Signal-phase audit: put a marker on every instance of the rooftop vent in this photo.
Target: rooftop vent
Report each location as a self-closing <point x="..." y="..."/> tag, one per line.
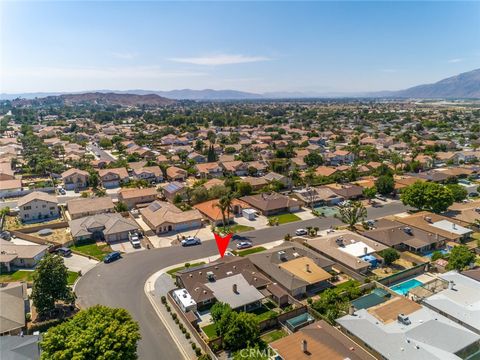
<point x="304" y="346"/>
<point x="281" y="255"/>
<point x="403" y="319"/>
<point x="428" y="219"/>
<point x="407" y="230"/>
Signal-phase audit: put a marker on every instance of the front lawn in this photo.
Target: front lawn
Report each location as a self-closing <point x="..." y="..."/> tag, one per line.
<point x="249" y="251"/>
<point x="347" y="284"/>
<point x="273" y="335"/>
<point x="92" y="249"/>
<point x="237" y="228"/>
<point x="173" y="271"/>
<point x="285" y="218"/>
<point x="27" y="276"/>
<point x="210" y="331"/>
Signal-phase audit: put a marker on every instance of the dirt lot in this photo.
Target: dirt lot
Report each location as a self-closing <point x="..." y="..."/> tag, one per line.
<point x="14" y="223"/>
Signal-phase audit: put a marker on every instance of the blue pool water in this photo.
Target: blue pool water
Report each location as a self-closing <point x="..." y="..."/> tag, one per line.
<point x="430" y="253"/>
<point x="404" y="287"/>
<point x="299" y="321"/>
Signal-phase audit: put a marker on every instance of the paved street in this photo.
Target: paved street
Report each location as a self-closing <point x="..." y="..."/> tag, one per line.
<point x="121" y="284"/>
<point x="100" y="153"/>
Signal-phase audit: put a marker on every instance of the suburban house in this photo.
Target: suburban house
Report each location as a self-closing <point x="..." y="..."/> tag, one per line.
<point x="272" y="176"/>
<point x="466" y="213"/>
<point x="295" y="268"/>
<point x="112" y="178"/>
<point x="458" y="301"/>
<point x="165" y="217"/>
<point x="10" y="188"/>
<point x="38" y="206"/>
<point x="346" y="191"/>
<point x="339" y="157"/>
<point x="212" y="212"/>
<point x="237" y="167"/>
<point x="451" y="229"/>
<point x="209" y="170"/>
<point x="6" y="172"/>
<point x="20" y="256"/>
<point x="78" y="208"/>
<point x="318" y="340"/>
<point x="402" y="237"/>
<point x="176" y="174"/>
<point x="27" y="345"/>
<point x="314" y="196"/>
<point x="134" y="197"/>
<point x="256" y="183"/>
<point x="152" y="174"/>
<point x="232" y="280"/>
<point x="197" y="158"/>
<point x="14" y="306"/>
<point x="272" y="203"/>
<point x="109" y="227"/>
<point x="75" y="179"/>
<point x="352" y="250"/>
<point x="171" y="190"/>
<point x="402" y="329"/>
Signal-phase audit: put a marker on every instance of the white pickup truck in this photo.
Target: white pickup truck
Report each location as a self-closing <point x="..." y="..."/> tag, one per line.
<point x="134" y="240"/>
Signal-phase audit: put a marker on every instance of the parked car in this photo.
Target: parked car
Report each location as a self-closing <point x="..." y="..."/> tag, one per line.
<point x="381" y="197"/>
<point x="244" y="245"/>
<point x="301" y="232"/>
<point x="5" y="235"/>
<point x="238" y="237"/>
<point x="64" y="251"/>
<point x="134" y="240"/>
<point x="115" y="255"/>
<point x="190" y="241"/>
<point x="62" y="191"/>
<point x="473" y="194"/>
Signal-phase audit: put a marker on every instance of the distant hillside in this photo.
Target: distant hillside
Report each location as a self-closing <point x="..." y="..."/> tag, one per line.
<point x="464" y="86"/>
<point x="100" y="98"/>
<point x="208" y="94"/>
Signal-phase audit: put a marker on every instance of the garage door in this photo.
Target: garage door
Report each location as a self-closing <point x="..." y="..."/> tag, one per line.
<point x="187" y="226"/>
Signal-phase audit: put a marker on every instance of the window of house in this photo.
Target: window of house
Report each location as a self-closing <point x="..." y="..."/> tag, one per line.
<point x="27" y="207"/>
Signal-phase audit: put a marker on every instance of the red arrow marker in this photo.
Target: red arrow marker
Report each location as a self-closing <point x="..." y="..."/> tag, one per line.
<point x="222" y="243"/>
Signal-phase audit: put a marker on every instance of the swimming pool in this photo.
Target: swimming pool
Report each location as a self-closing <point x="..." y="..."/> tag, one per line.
<point x="404" y="287"/>
<point x="299" y="321"/>
<point x="430" y="253"/>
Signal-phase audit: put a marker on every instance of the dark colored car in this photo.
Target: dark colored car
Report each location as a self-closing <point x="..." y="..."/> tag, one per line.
<point x="63" y="251"/>
<point x="115" y="255"/>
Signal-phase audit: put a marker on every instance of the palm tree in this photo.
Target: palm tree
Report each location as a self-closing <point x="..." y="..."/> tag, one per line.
<point x="352" y="213"/>
<point x="225" y="206"/>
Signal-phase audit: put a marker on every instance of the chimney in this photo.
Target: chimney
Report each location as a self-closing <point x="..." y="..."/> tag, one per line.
<point x="307" y="268"/>
<point x="454" y="225"/>
<point x="351" y="310"/>
<point x="304" y="346"/>
<point x="451" y="284"/>
<point x="365" y="250"/>
<point x="235" y="288"/>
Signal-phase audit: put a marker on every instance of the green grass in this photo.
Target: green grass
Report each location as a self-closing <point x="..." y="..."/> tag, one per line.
<point x="27" y="276"/>
<point x="263" y="313"/>
<point x="342" y="287"/>
<point x="273" y="335"/>
<point x="249" y="251"/>
<point x="72" y="277"/>
<point x="285" y="218"/>
<point x="19" y="275"/>
<point x="237" y="228"/>
<point x="93" y="250"/>
<point x="175" y="270"/>
<point x="210" y="331"/>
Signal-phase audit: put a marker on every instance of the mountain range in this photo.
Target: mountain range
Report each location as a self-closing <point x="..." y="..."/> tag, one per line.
<point x="463" y="86"/>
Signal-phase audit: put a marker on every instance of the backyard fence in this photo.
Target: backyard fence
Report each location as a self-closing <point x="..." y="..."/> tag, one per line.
<point x="402" y="275"/>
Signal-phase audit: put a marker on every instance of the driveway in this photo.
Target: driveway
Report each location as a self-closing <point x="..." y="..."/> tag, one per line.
<point x="260" y="222"/>
<point x="125" y="247"/>
<point x="121" y="283"/>
<point x="79" y="263"/>
<point x="305" y="214"/>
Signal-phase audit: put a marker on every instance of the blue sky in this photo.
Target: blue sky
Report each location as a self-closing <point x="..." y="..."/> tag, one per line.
<point x="251" y="46"/>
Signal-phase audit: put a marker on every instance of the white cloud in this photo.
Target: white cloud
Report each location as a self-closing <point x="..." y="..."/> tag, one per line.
<point x="221" y="59"/>
<point x="456" y="60"/>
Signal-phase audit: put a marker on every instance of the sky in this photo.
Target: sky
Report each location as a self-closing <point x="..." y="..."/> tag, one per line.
<point x="312" y="46"/>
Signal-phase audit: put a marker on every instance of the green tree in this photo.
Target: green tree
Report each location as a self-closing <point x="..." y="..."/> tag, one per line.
<point x="93" y="179"/>
<point x="105" y="143"/>
<point x="352" y="213"/>
<point x="242" y="331"/>
<point x="313" y="159"/>
<point x="199" y="195"/>
<point x="459" y="258"/>
<point x="458" y="191"/>
<point x="243" y="188"/>
<point x="370" y="193"/>
<point x="50" y="284"/>
<point x="389" y="255"/>
<point x="121" y="207"/>
<point x="427" y="196"/>
<point x="385" y="184"/>
<point x="99" y="332"/>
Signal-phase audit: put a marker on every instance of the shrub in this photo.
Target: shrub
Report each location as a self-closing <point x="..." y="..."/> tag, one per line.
<point x="164" y="300"/>
<point x="187" y="335"/>
<point x="198" y="351"/>
<point x="174" y="316"/>
<point x="194" y="346"/>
